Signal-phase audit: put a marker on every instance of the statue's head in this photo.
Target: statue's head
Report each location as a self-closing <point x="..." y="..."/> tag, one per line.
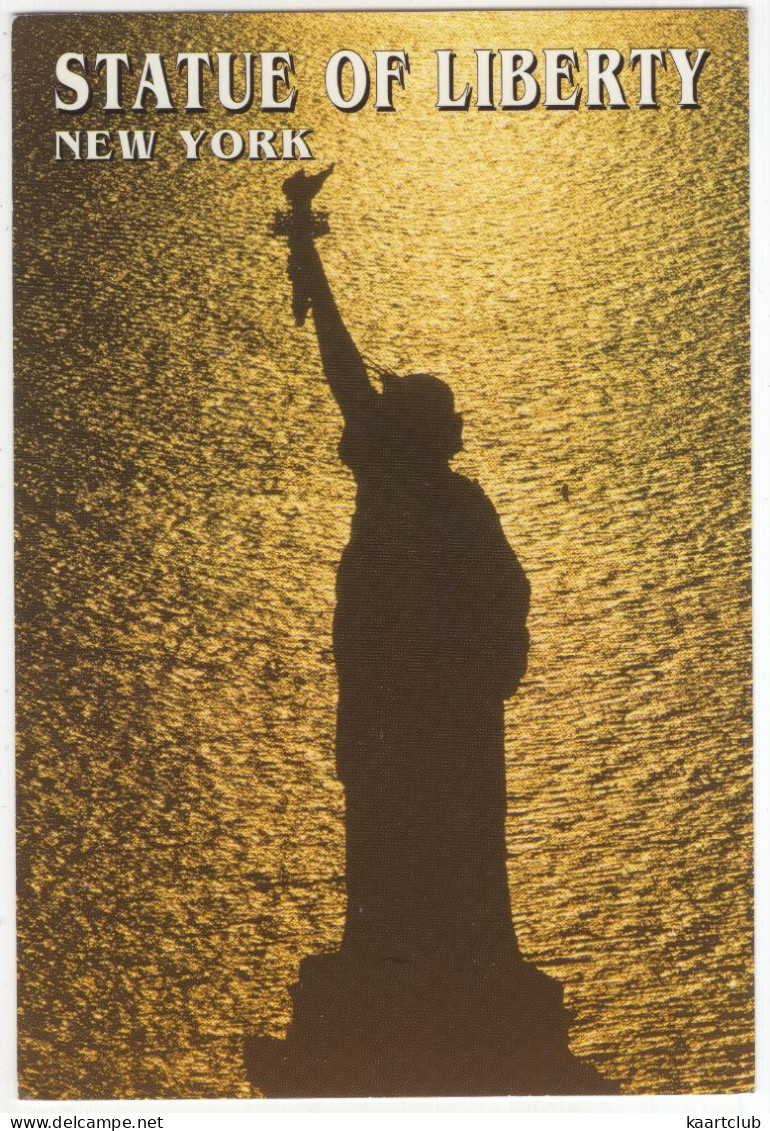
<point x="424" y="406"/>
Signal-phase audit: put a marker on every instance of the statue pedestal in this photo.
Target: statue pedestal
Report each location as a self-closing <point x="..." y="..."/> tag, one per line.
<point x="378" y="1027"/>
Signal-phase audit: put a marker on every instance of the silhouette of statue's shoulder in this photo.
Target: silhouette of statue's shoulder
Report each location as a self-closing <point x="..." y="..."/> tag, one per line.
<point x="479" y="511"/>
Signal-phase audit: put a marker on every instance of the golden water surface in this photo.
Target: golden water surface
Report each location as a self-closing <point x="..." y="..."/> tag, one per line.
<point x="581" y="281"/>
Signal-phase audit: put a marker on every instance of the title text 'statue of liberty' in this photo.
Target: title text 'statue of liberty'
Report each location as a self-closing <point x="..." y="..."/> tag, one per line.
<point x="194" y="81"/>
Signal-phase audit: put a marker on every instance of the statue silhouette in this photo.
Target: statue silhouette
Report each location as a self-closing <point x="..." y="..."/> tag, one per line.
<point x="429" y="993"/>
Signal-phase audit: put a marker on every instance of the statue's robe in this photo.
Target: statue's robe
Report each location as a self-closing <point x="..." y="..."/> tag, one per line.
<point x="429" y="640"/>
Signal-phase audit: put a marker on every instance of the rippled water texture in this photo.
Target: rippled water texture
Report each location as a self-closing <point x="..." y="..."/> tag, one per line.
<point x="581" y="279"/>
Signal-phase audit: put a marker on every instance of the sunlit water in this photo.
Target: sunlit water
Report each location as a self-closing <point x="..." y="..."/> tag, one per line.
<point x="581" y="280"/>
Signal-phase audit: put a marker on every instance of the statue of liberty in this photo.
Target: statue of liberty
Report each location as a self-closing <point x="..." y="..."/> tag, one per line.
<point x="429" y="640"/>
<point x="428" y="994"/>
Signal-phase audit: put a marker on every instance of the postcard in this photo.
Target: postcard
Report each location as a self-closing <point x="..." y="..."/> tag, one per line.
<point x="383" y="580"/>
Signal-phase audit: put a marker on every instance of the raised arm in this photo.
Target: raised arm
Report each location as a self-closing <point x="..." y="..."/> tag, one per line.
<point x="343" y="365"/>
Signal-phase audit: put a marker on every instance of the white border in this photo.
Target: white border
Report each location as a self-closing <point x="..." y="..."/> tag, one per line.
<point x="541" y="1112"/>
